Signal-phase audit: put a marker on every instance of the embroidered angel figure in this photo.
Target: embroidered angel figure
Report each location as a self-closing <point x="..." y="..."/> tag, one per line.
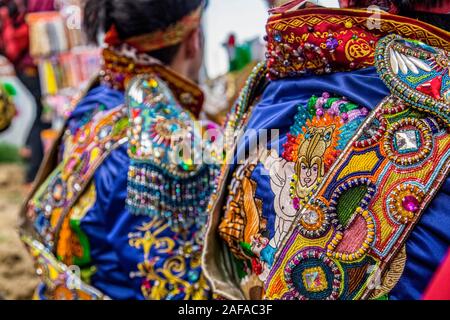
<point x="293" y="181"/>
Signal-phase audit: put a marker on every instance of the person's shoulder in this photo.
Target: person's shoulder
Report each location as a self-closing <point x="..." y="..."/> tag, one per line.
<point x="150" y="92"/>
<point x="158" y="124"/>
<point x="168" y="176"/>
<point x="93" y="99"/>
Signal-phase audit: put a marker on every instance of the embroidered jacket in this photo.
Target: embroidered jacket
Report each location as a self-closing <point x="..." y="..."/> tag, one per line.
<point x="348" y="200"/>
<point x="114" y="213"/>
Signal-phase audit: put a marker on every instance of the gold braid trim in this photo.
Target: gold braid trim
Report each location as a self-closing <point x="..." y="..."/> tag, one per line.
<point x="392" y="275"/>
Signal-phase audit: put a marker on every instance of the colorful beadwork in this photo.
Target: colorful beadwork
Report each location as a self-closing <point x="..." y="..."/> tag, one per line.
<point x="332" y="120"/>
<point x="52" y="203"/>
<point x="321" y="129"/>
<point x="238" y="115"/>
<point x="383" y="188"/>
<point x="310" y="274"/>
<point x="419" y="72"/>
<point x="122" y="64"/>
<point x="373" y="134"/>
<point x="316" y="221"/>
<point x="232" y="229"/>
<point x="408" y="142"/>
<point x="335" y="247"/>
<point x="168" y="177"/>
<point x="320" y="41"/>
<point x="366" y="189"/>
<point x="73" y="247"/>
<point x="405" y="202"/>
<point x="59" y="282"/>
<point x="171" y="242"/>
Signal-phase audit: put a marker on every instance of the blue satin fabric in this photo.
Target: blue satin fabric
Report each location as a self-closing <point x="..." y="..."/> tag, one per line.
<point x="110" y="277"/>
<point x="122" y="223"/>
<point x="278" y="106"/>
<point x="430" y="240"/>
<point x="426" y="248"/>
<point x="96" y="98"/>
<point x="109" y="224"/>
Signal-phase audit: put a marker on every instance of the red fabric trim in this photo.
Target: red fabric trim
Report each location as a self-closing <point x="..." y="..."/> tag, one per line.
<point x="360" y="13"/>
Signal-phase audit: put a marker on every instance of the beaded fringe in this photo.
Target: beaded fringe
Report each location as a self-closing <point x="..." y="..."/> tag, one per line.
<point x="181" y="201"/>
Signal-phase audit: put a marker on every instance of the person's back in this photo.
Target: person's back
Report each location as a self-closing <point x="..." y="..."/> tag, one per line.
<point x="111" y="205"/>
<point x="347" y="200"/>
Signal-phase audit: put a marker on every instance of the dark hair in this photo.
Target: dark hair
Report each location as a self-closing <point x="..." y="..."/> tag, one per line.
<point x="137" y="17"/>
<point x="438" y="20"/>
<point x="407" y="8"/>
<point x="410" y="4"/>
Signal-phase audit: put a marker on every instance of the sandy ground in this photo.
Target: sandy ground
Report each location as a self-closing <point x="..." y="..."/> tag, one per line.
<point x="17" y="277"/>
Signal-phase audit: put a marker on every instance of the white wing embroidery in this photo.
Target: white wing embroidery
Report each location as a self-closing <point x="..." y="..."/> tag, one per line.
<point x="404" y="63"/>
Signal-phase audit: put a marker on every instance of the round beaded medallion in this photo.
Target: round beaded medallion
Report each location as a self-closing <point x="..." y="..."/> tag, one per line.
<point x="316" y="221"/>
<point x="311" y="275"/>
<point x="167" y="131"/>
<point x="408" y="141"/>
<point x="405" y="202"/>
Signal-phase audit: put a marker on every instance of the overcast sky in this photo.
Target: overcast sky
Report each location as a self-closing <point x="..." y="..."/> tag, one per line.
<point x="245" y="18"/>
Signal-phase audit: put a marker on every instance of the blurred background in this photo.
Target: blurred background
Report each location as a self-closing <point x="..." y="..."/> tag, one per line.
<point x="45" y="62"/>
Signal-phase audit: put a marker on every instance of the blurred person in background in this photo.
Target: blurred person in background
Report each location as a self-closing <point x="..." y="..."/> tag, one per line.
<point x="14" y="43"/>
<point x="7" y="91"/>
<point x="115" y="212"/>
<point x="349" y="199"/>
<point x="17" y="134"/>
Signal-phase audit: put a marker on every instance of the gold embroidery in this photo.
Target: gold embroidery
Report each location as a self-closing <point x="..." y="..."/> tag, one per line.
<point x="69" y="245"/>
<point x="243" y="218"/>
<point x="358" y="49"/>
<point x="172" y="277"/>
<point x="408" y="28"/>
<point x="392" y="276"/>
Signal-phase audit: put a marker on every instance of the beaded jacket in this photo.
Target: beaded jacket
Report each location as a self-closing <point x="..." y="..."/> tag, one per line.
<point x="347" y="200"/>
<point x="114" y="213"/>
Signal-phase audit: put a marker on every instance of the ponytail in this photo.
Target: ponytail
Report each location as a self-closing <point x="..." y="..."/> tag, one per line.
<point x="97" y="18"/>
